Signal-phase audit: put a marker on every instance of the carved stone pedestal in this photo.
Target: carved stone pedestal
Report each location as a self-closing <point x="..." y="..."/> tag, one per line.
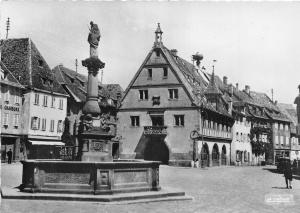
<point x="96" y="140"/>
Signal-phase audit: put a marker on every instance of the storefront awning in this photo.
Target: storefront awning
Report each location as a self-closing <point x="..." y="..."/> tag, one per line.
<point x="47" y="143"/>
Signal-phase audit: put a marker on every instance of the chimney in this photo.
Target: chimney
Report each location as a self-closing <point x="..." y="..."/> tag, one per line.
<point x="276" y="103"/>
<point x="174" y="52"/>
<point x="247" y="89"/>
<point x="299" y="89"/>
<point x="230" y="90"/>
<point x="237" y="86"/>
<point x="225" y="80"/>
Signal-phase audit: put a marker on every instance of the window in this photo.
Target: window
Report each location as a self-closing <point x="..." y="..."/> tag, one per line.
<point x="35" y="123"/>
<point x="59" y="126"/>
<point x="45" y="102"/>
<point x="280" y="126"/>
<point x="281" y="140"/>
<point x="173" y="93"/>
<point x="149" y="73"/>
<point x="36" y="99"/>
<point x="5" y="119"/>
<point x="179" y="120"/>
<point x="135" y="120"/>
<point x="276" y="125"/>
<point x="286" y="127"/>
<point x="16" y="120"/>
<point x="53" y="102"/>
<point x="6" y="96"/>
<point x="165" y="72"/>
<point x="277" y="140"/>
<point x="157" y="53"/>
<point x="52" y="126"/>
<point x="237" y="136"/>
<point x="143" y="94"/>
<point x="287" y="141"/>
<point x="44" y="124"/>
<point x="61" y="104"/>
<point x="17" y="98"/>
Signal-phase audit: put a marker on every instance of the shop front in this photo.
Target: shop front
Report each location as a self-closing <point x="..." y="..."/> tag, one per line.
<point x="44" y="149"/>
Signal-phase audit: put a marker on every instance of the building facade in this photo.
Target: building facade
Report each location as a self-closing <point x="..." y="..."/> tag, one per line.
<point x="44" y="100"/>
<point x="11" y="107"/>
<point x="166" y="100"/>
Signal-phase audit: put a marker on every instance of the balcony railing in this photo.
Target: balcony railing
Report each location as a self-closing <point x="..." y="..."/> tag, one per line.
<point x="155" y="130"/>
<point x="217" y="133"/>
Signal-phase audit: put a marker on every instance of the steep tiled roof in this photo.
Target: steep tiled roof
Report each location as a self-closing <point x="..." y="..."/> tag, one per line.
<point x="27" y="64"/>
<point x="69" y="80"/>
<point x="8" y="77"/>
<point x="290" y="111"/>
<point x="76" y="85"/>
<point x="212" y="86"/>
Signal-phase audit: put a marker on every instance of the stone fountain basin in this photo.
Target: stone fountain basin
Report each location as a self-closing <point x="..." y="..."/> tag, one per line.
<point x="90" y="177"/>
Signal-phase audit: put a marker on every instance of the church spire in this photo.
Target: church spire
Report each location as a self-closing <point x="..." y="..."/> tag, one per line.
<point x="212" y="88"/>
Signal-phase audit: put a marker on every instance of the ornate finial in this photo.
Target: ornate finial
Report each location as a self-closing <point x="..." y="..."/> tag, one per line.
<point x="7" y="27"/>
<point x="158" y="33"/>
<point x="76" y="64"/>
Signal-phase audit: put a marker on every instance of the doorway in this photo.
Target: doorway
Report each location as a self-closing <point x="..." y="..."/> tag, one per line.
<point x="156" y="150"/>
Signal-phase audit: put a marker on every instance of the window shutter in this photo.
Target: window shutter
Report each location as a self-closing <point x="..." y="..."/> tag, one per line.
<point x="38" y="126"/>
<point x="32" y="118"/>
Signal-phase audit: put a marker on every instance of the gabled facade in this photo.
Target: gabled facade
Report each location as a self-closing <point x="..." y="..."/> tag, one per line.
<point x="163" y="104"/>
<point x="45" y="101"/>
<point x="11" y="106"/>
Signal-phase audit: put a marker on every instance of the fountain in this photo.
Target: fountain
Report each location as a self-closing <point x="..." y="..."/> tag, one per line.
<point x="97" y="173"/>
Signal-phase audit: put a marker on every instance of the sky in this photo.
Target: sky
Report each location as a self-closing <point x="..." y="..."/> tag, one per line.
<point x="254" y="43"/>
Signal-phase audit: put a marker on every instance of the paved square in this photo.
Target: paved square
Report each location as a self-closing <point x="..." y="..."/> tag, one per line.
<point x="217" y="189"/>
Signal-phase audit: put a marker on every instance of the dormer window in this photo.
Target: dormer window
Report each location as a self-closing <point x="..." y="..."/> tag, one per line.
<point x="41" y="62"/>
<point x="82" y="84"/>
<point x="51" y="83"/>
<point x="72" y="80"/>
<point x="44" y="81"/>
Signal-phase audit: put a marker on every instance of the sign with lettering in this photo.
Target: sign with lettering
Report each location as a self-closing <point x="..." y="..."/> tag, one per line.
<point x="194" y="135"/>
<point x="10" y="108"/>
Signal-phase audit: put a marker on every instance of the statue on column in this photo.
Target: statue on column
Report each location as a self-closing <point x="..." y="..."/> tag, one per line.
<point x="94" y="35"/>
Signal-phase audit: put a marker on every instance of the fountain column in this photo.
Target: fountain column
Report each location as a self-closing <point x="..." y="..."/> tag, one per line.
<point x="95" y="137"/>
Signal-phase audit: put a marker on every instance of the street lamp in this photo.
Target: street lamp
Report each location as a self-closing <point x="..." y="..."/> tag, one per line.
<point x="202" y="111"/>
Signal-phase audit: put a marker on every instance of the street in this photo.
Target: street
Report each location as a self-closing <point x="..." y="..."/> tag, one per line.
<point x="216" y="189"/>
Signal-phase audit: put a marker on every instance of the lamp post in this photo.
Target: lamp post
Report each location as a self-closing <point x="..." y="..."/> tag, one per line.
<point x="202" y="111"/>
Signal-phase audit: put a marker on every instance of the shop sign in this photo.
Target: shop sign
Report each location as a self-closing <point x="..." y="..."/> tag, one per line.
<point x="10" y="108"/>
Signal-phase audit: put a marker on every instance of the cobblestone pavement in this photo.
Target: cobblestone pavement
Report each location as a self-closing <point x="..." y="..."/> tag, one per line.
<point x="219" y="189"/>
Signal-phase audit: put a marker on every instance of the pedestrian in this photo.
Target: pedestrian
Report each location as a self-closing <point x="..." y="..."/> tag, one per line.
<point x="288" y="174"/>
<point x="9" y="155"/>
